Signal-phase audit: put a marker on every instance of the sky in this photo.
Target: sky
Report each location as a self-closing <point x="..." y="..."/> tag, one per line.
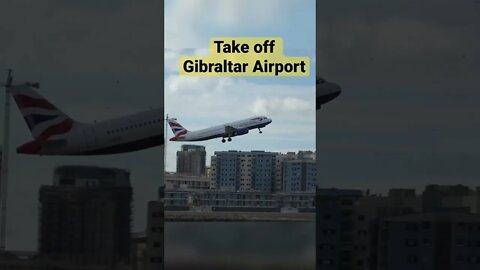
<point x="408" y="114"/>
<point x="201" y="102"/>
<point x="94" y="60"/>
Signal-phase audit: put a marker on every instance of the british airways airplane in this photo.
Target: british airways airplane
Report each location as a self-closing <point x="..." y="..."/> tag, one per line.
<point x="55" y="133"/>
<point x="228" y="130"/>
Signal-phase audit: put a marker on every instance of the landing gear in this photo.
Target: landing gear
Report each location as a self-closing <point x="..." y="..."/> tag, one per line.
<point x="223" y="140"/>
<point x="229" y="139"/>
<point x="259" y="130"/>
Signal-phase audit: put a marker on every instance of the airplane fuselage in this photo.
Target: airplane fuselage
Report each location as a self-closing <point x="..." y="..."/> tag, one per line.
<point x="326" y="92"/>
<point x="120" y="135"/>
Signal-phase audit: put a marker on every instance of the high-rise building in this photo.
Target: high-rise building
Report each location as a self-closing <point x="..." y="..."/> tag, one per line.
<point x="244" y="171"/>
<point x="85" y="216"/>
<point x="191" y="160"/>
<point x="299" y="175"/>
<point x="279" y="165"/>
<point x="334" y="227"/>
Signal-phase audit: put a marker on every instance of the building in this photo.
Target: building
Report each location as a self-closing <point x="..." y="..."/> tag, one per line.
<point x="436" y="241"/>
<point x="279" y="164"/>
<point x="244" y="171"/>
<point x="348" y="225"/>
<point x="191" y="160"/>
<point x="155" y="236"/>
<point x="306" y="155"/>
<point x="220" y="200"/>
<point x="299" y="175"/>
<point x="357" y="230"/>
<point x="182" y="181"/>
<point x="334" y="228"/>
<point x="138" y="250"/>
<point x="85" y="216"/>
<point x="262" y="171"/>
<point x="456" y="198"/>
<point x="368" y="213"/>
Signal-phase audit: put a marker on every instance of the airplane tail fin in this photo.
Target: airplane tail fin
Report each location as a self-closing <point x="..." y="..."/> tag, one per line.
<point x="177" y="129"/>
<point x="43" y="119"/>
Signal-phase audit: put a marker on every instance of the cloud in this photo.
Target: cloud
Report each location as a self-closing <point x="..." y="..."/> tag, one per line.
<point x="187" y="22"/>
<point x="233" y="97"/>
<point x="290" y="105"/>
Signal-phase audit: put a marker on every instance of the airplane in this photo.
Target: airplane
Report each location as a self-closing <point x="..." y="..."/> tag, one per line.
<point x="326" y="91"/>
<point x="55" y="133"/>
<point x="228" y="130"/>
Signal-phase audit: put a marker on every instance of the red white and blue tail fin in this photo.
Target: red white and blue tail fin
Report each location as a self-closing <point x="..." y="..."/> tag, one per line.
<point x="177" y="129"/>
<point x="43" y="119"/>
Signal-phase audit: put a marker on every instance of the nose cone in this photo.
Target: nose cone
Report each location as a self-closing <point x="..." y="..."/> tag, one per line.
<point x="326" y="91"/>
<point x="269" y="120"/>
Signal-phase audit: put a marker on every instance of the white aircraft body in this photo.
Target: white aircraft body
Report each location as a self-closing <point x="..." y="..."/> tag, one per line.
<point x="228" y="130"/>
<point x="57" y="134"/>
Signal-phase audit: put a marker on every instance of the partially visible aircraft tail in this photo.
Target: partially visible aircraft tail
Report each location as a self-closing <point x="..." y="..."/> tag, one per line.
<point x="43" y="119"/>
<point x="177" y="129"/>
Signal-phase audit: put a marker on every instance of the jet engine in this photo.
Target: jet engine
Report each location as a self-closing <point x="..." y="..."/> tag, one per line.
<point x="241" y="131"/>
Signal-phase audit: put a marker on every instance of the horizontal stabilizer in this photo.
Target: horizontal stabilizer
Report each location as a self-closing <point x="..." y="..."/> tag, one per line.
<point x="35" y="146"/>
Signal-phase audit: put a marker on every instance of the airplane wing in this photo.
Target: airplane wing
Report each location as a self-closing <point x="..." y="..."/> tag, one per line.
<point x="231" y="131"/>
